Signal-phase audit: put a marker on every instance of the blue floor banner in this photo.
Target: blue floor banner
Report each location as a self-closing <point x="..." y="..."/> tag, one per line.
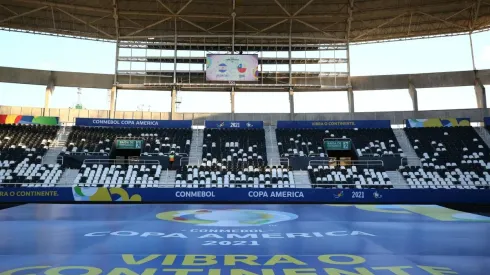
<point x="242" y="195"/>
<point x="190" y="239"/>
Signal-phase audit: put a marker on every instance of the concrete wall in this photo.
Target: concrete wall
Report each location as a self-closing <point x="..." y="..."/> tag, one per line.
<point x="380" y="82"/>
<point x="69" y="115"/>
<point x="64" y="79"/>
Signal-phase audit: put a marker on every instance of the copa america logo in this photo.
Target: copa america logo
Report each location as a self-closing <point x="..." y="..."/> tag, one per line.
<point x="227" y="217"/>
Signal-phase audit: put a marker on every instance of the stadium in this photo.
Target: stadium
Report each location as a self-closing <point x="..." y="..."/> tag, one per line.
<point x="321" y="136"/>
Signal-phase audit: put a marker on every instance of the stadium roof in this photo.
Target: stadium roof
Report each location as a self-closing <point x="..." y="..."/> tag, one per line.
<point x="330" y="21"/>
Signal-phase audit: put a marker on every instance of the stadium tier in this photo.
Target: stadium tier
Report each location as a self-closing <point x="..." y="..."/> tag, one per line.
<point x="349" y="177"/>
<point x="96" y="140"/>
<point x="217" y="176"/>
<point x="17" y="142"/>
<point x="295" y="155"/>
<point x="368" y="142"/>
<point x="451" y="157"/>
<point x="21" y="150"/>
<point x="103" y="175"/>
<point x="234" y="148"/>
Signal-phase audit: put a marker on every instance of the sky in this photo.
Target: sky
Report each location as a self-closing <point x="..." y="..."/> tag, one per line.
<point x="43" y="52"/>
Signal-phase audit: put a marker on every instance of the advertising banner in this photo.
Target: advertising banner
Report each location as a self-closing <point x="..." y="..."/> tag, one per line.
<point x="133" y="123"/>
<point x="437" y="122"/>
<point x="241" y="195"/>
<point x="334" y="124"/>
<point x="18" y="119"/>
<point x="227" y="67"/>
<point x="216" y="124"/>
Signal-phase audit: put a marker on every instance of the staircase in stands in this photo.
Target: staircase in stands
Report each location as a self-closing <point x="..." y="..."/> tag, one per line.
<point x="412" y="158"/>
<point x="51" y="155"/>
<point x="301" y="179"/>
<point x="271" y="146"/>
<point x="195" y="155"/>
<point x="397" y="179"/>
<point x="68" y="177"/>
<point x="484" y="134"/>
<point x="167" y="178"/>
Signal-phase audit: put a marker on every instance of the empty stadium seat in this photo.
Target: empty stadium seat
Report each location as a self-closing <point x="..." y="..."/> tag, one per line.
<point x="440" y="146"/>
<point x="99" y="140"/>
<point x="451" y="177"/>
<point x="111" y="175"/>
<point x="349" y="177"/>
<point x="29" y="174"/>
<point x="21" y="151"/>
<point x="19" y="141"/>
<point x="309" y="142"/>
<point x="234" y="149"/>
<point x="451" y="157"/>
<point x="219" y="176"/>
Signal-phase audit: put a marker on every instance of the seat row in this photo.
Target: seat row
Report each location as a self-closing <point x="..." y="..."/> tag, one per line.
<point x="219" y="176"/>
<point x="17" y="141"/>
<point x="118" y="175"/>
<point x="447" y="177"/>
<point x="26" y="173"/>
<point x="349" y="177"/>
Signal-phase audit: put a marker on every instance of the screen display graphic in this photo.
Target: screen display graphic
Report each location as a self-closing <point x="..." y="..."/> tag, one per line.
<point x="232" y="67"/>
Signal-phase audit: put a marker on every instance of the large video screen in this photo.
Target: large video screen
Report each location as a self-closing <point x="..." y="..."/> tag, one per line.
<point x="228" y="67"/>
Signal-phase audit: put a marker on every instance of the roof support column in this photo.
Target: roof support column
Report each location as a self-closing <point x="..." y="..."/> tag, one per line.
<point x="115" y="14"/>
<point x="290" y="55"/>
<point x="413" y="94"/>
<point x="112" y="107"/>
<point x="350" y="99"/>
<point x="173" y="102"/>
<point x="350" y="93"/>
<point x="47" y="96"/>
<point x="290" y="68"/>
<point x="116" y="62"/>
<point x="232" y="102"/>
<point x="481" y="95"/>
<point x="233" y="16"/>
<point x="175" y="51"/>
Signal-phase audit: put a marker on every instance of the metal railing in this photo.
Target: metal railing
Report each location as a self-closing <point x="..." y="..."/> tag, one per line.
<point x="342" y="185"/>
<point x="188" y="160"/>
<point x="87" y="153"/>
<point x="248" y="185"/>
<point x="282" y="161"/>
<point x="337" y="162"/>
<point x="121" y="161"/>
<point x="164" y="154"/>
